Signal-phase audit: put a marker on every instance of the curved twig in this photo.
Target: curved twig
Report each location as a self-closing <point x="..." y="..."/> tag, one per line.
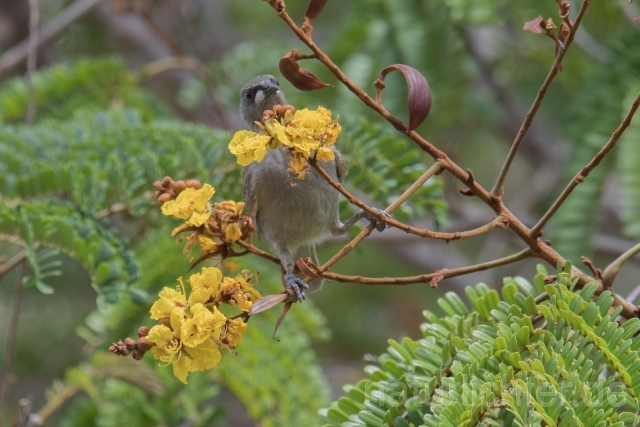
<point x="555" y="68"/>
<point x="424" y="278"/>
<point x="497" y="221"/>
<point x="586" y="170"/>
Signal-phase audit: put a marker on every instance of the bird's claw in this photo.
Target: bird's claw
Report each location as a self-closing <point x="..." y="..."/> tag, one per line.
<point x="380" y="226"/>
<point x="295" y="284"/>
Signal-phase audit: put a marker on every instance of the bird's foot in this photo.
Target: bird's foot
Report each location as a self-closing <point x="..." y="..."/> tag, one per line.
<point x="296" y="285"/>
<point x="380" y="226"/>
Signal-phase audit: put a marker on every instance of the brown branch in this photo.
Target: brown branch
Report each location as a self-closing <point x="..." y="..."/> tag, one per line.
<point x="10" y="338"/>
<point x="584" y="172"/>
<point x="433" y="170"/>
<point x="402" y="226"/>
<point x="13" y="262"/>
<point x="555" y="69"/>
<point x="254" y="250"/>
<point x="32" y="57"/>
<point x="17" y="54"/>
<point x="424" y="278"/>
<point x="538" y="249"/>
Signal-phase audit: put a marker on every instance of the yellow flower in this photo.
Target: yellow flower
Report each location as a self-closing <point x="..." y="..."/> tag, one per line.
<point x="203" y="357"/>
<point x="239" y="291"/>
<point x="204" y="285"/>
<point x="331" y="133"/>
<point x="297" y="163"/>
<point x="207" y="244"/>
<point x="230" y="265"/>
<point x="235" y="330"/>
<point x="167" y="349"/>
<point x="202" y="326"/>
<point x="192" y="205"/>
<point x="169" y="299"/>
<point x="249" y="146"/>
<point x="232" y="231"/>
<point x="325" y="154"/>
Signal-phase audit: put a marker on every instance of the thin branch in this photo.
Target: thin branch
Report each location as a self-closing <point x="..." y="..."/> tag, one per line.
<point x="584" y="172"/>
<point x="17" y="54"/>
<point x="612" y="270"/>
<point x="5" y="368"/>
<point x="424" y="278"/>
<point x="32" y="57"/>
<point x="555" y="68"/>
<point x="13" y="262"/>
<point x="433" y="170"/>
<point x="404" y="227"/>
<point x="254" y="250"/>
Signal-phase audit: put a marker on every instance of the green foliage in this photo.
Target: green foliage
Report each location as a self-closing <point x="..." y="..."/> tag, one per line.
<point x="558" y="359"/>
<point x="86" y="84"/>
<point x="56" y="224"/>
<point x="99" y="159"/>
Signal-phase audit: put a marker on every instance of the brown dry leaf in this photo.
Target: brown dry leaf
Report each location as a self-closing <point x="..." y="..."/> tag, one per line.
<point x="300" y="78"/>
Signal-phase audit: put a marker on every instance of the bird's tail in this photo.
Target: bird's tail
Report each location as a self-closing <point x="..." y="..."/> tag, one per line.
<point x="309" y="251"/>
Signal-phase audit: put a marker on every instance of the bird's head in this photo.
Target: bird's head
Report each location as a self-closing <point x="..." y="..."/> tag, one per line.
<point x="259" y="94"/>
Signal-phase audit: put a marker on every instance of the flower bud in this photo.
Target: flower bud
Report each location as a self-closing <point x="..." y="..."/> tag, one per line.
<point x="129" y="343"/>
<point x="179" y="187"/>
<point x="166" y="321"/>
<point x="167" y="181"/>
<point x="164" y="198"/>
<point x="143" y="331"/>
<point x="144" y="344"/>
<point x="137" y="354"/>
<point x="194" y="183"/>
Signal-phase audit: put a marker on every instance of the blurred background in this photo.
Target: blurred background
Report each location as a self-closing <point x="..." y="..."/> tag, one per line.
<point x="128" y="91"/>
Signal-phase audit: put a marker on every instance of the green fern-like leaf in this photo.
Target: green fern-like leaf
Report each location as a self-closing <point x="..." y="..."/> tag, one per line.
<point x="513" y="363"/>
<point x="85" y="84"/>
<point x="58" y="225"/>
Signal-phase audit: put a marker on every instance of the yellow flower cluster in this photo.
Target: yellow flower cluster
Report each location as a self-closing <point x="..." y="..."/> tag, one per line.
<point x="192" y="205"/>
<point x="192" y="329"/>
<point x="303" y="133"/>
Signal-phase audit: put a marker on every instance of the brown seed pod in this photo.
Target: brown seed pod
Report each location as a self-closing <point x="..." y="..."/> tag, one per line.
<point x="300" y="78"/>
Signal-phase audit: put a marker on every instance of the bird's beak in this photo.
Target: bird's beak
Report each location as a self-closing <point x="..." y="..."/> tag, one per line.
<point x="271" y="89"/>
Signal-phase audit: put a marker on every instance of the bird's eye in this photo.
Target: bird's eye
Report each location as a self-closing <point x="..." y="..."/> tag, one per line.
<point x="248" y="95"/>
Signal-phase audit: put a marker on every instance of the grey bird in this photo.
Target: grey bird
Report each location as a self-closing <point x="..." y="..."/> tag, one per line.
<point x="291" y="218"/>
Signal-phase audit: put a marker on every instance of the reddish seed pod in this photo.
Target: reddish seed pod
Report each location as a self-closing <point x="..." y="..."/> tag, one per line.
<point x="300" y="78"/>
<point x="143" y="331"/>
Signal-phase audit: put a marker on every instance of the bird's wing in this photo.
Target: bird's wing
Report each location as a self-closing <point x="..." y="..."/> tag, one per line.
<point x="341" y="166"/>
<point x="249" y="195"/>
